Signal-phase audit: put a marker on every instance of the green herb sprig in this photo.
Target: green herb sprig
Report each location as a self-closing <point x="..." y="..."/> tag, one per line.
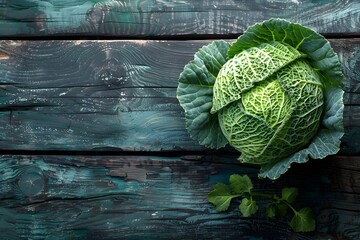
<point x="241" y="187"/>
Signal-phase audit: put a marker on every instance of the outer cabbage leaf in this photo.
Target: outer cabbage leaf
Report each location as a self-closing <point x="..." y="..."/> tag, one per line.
<point x="195" y="94"/>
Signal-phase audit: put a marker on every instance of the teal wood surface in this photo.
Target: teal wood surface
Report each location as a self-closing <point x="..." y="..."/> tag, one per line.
<point x="154" y="197"/>
<point x="92" y="137"/>
<point x="115" y="95"/>
<point x="155" y="18"/>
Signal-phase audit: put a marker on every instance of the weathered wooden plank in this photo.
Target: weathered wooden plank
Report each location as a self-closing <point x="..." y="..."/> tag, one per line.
<point x="138" y="18"/>
<point x="96" y="95"/>
<point x="153" y="197"/>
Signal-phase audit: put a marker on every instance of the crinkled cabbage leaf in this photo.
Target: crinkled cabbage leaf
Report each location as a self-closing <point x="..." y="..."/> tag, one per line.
<point x="274" y="95"/>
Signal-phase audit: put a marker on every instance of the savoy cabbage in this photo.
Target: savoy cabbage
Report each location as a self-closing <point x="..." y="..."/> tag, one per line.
<point x="274" y="95"/>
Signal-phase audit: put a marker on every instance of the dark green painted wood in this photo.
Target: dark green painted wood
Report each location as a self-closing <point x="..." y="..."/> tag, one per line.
<point x="154" y="18"/>
<point x="119" y="95"/>
<point x="150" y="197"/>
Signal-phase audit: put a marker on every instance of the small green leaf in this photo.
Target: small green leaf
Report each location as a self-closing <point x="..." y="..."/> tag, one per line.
<point x="289" y="194"/>
<point x="248" y="207"/>
<point x="221" y="197"/>
<point x="276" y="210"/>
<point x="303" y="221"/>
<point x="271" y="211"/>
<point x="240" y="184"/>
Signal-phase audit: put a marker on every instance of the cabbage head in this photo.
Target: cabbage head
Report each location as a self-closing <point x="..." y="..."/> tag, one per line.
<point x="274" y="95"/>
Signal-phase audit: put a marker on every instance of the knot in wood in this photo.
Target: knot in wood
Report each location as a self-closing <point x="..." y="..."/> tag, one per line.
<point x="31" y="182"/>
<point x="113" y="74"/>
<point x="95" y="17"/>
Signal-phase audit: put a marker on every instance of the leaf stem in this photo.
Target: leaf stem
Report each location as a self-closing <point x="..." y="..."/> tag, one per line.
<point x="265" y="195"/>
<point x="290" y="206"/>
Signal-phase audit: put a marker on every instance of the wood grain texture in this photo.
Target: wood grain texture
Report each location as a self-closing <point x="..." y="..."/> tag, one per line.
<point x="111" y="96"/>
<point x="139" y="18"/>
<point x="152" y="197"/>
<point x="118" y="95"/>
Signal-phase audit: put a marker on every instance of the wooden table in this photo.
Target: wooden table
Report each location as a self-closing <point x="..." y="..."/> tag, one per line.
<point x="92" y="138"/>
